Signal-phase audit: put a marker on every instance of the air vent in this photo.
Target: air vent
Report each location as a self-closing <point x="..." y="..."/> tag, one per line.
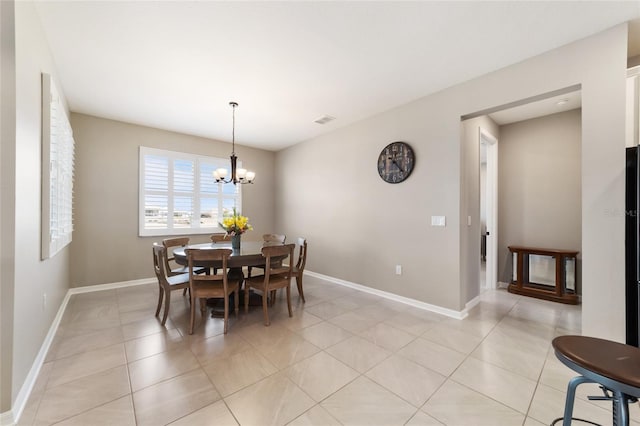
<point x="324" y="119"/>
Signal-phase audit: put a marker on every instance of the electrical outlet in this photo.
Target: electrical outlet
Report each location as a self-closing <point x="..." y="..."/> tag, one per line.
<point x="398" y="269"/>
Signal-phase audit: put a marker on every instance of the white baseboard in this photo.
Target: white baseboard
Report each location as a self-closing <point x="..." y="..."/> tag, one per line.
<point x="27" y="386"/>
<point x="111" y="286"/>
<point x="12" y="416"/>
<point x="406" y="300"/>
<point x="472" y="303"/>
<point x="6" y="418"/>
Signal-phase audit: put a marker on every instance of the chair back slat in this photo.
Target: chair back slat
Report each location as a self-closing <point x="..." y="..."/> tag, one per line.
<point x="302" y="257"/>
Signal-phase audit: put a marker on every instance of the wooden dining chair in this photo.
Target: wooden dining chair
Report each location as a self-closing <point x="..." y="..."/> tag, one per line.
<point x="298" y="270"/>
<point x="220" y="238"/>
<point x="211" y="286"/>
<point x="268" y="239"/>
<point x="172" y="267"/>
<point x="166" y="283"/>
<point x="274" y="238"/>
<point x="276" y="275"/>
<point x="175" y="269"/>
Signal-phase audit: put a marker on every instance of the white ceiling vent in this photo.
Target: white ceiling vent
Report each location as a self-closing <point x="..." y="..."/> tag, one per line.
<point x="324" y="119"/>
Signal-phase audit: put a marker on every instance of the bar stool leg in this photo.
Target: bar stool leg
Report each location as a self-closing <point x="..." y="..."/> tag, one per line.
<point x="620" y="409"/>
<point x="571" y="396"/>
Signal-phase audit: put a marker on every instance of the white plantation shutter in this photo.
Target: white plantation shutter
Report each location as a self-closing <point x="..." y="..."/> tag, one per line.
<point x="178" y="194"/>
<point x="156" y="187"/>
<point x="210" y="208"/>
<point x="184" y="193"/>
<point x="57" y="172"/>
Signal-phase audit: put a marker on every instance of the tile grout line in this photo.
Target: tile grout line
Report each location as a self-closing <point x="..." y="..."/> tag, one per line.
<point x="467" y="356"/>
<point x="296" y="332"/>
<point x="126" y="358"/>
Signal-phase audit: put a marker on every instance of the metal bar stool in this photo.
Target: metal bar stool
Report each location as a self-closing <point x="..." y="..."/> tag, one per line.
<point x="614" y="366"/>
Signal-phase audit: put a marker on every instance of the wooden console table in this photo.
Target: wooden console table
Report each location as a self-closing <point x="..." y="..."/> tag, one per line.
<point x="544" y="273"/>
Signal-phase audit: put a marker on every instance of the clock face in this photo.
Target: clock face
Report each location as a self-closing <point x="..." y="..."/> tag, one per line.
<point x="395" y="162"/>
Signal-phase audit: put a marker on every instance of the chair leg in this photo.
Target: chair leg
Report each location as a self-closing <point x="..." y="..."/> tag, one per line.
<point x="203" y="307"/>
<point x="193" y="314"/>
<point x="620" y="409"/>
<point x="571" y="396"/>
<point x="246" y="297"/>
<point x="226" y="313"/>
<point x="236" y="301"/>
<point x="299" y="284"/>
<point x="187" y="290"/>
<point x="289" y="300"/>
<point x="160" y="297"/>
<point x="167" y="303"/>
<point x="264" y="307"/>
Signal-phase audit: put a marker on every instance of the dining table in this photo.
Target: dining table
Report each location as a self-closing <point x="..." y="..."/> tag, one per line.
<point x="249" y="254"/>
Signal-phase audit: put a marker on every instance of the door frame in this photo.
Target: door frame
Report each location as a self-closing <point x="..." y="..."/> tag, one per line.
<point x="491" y="202"/>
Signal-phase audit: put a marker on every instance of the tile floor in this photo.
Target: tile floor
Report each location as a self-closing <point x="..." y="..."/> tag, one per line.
<point x="345" y="358"/>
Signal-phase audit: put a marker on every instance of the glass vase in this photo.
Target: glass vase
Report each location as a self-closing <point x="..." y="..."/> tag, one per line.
<point x="235" y="242"/>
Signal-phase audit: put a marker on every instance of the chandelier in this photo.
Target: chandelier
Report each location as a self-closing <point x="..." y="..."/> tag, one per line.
<point x="237" y="175"/>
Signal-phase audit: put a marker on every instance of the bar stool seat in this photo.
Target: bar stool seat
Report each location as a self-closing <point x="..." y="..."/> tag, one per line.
<point x="614" y="366"/>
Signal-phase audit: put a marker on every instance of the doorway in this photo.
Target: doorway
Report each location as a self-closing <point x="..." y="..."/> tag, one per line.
<point x="535" y="127"/>
<point x="488" y="210"/>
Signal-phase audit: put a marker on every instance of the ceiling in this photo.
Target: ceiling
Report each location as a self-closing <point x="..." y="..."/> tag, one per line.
<point x="175" y="65"/>
<point x="538" y="108"/>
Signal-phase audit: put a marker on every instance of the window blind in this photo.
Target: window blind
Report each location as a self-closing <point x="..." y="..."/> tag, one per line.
<point x="57" y="172"/>
<point x="178" y="194"/>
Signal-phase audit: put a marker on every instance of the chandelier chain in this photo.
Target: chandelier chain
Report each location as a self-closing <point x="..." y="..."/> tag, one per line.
<point x="233" y="127"/>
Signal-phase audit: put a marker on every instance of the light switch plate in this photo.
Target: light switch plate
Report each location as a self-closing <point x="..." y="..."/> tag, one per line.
<point x="438" y="221"/>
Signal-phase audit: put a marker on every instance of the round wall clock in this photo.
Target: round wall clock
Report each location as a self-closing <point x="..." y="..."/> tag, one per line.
<point x="395" y="162"/>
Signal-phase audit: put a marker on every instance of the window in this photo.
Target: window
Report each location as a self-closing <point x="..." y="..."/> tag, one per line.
<point x="178" y="194"/>
<point x="57" y="172"/>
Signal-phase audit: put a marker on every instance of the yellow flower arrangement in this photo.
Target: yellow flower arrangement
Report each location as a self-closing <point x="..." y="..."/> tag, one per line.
<point x="236" y="224"/>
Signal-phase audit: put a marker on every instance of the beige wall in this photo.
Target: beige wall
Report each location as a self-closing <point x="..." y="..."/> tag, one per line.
<point x="540" y="185"/>
<point x="7" y="199"/>
<point x="106" y="247"/>
<point x="32" y="278"/>
<point x="359" y="227"/>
